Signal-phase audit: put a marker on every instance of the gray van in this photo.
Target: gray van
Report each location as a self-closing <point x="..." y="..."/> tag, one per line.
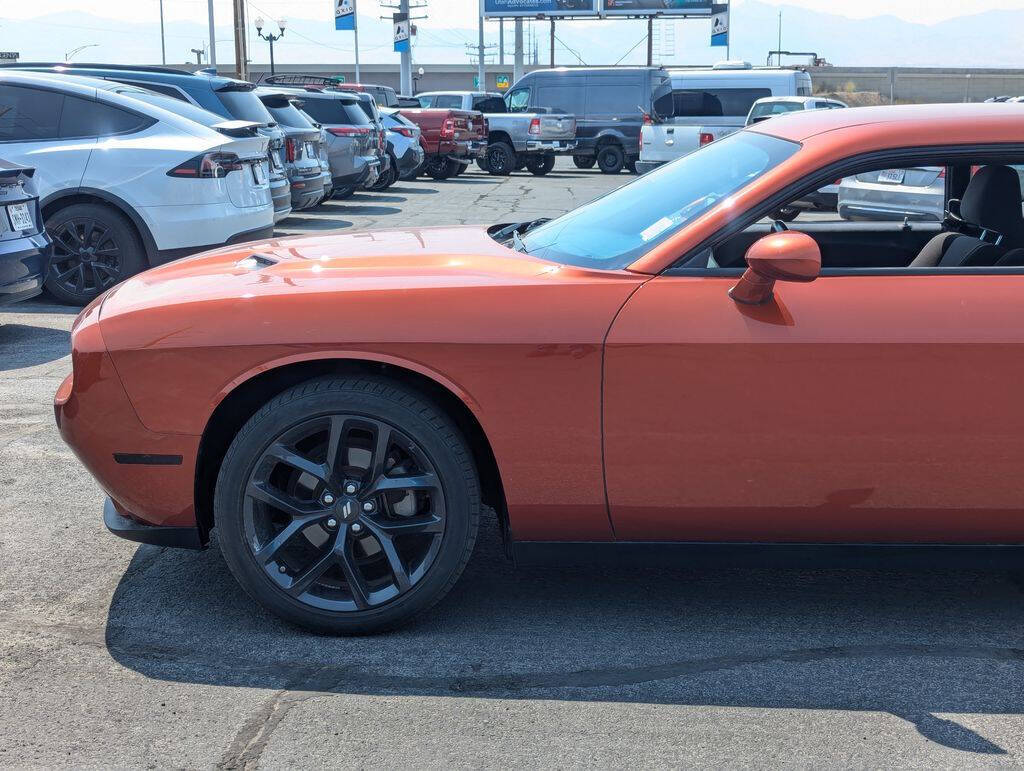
<point x="610" y="105"/>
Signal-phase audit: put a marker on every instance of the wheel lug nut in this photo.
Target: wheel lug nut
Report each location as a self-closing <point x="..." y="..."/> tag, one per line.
<point x="356" y="527"/>
<point x="350" y="488"/>
<point x="332" y="522"/>
<point x="368" y="506"/>
<point x="328" y="499"/>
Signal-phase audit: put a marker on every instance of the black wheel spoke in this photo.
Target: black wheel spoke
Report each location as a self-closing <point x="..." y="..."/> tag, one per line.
<point x="398" y="570"/>
<point x="380" y="452"/>
<point x="390" y="528"/>
<point x="385" y="484"/>
<point x="304" y="580"/>
<point x="262" y="492"/>
<point x="80" y="278"/>
<point x="291" y="458"/>
<point x="346" y="560"/>
<point x="269" y="550"/>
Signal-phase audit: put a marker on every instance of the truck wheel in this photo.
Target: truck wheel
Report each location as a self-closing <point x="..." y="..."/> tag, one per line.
<point x="584" y="161"/>
<point x="539" y="165"/>
<point x="611" y="159"/>
<point x="481" y="163"/>
<point x="501" y="159"/>
<point x="438" y="168"/>
<point x="458" y="168"/>
<point x="631" y="165"/>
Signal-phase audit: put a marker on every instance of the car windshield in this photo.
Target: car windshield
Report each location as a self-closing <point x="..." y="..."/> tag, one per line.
<point x="767" y="109"/>
<point x="244" y="105"/>
<point x="618" y="228"/>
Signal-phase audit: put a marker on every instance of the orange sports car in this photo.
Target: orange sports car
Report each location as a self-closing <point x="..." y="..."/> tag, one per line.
<point x="662" y="374"/>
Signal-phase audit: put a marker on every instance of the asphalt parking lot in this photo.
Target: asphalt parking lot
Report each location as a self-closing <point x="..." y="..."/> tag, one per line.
<point x="113" y="653"/>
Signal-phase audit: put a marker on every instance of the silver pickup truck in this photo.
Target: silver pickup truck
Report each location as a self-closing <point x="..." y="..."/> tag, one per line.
<point x="515" y="140"/>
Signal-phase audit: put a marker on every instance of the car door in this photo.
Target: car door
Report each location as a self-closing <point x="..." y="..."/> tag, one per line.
<point x="30" y="121"/>
<point x="867" y="406"/>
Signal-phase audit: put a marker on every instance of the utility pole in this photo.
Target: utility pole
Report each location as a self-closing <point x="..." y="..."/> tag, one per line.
<point x="779" y="49"/>
<point x="163" y="50"/>
<point x="481" y="72"/>
<point x="552" y="42"/>
<point x="501" y="42"/>
<point x="213" y="36"/>
<point x="517" y="62"/>
<point x="406" y="56"/>
<point x="355" y="38"/>
<point x="650" y="41"/>
<point x="241" y="52"/>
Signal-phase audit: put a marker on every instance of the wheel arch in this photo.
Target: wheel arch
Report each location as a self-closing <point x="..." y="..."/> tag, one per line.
<point x="610" y="137"/>
<point x="500" y="136"/>
<point x="56" y="201"/>
<point x="245" y="395"/>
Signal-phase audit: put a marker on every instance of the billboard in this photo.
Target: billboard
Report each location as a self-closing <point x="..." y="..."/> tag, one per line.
<point x="509" y="8"/>
<point x="652" y="7"/>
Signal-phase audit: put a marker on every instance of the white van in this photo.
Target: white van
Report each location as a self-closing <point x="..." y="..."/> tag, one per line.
<point x="710" y="103"/>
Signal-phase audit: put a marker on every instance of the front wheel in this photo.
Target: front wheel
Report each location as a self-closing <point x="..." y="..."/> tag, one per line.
<point x="347" y="505"/>
<point x="539" y="165"/>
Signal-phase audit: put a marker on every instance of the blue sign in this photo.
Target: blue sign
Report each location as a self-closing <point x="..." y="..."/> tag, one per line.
<point x="344" y="14"/>
<point x="401" y="22"/>
<point x="720" y="26"/>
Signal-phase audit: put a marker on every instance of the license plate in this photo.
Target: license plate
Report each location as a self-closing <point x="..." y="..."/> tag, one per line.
<point x="892" y="176"/>
<point x="257" y="174"/>
<point x="21" y="217"/>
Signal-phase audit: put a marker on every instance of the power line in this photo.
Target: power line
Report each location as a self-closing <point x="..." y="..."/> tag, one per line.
<point x="638" y="42"/>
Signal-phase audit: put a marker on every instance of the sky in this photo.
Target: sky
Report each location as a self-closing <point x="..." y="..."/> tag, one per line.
<point x="446" y="13"/>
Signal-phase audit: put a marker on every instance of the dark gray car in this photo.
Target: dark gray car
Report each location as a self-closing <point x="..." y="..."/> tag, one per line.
<point x="301" y="148"/>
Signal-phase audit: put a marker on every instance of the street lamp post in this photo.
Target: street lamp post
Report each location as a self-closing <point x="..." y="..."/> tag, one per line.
<point x="270" y="38"/>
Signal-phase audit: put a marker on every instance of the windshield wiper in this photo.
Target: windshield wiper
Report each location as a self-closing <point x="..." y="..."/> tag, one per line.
<point x="518" y="228"/>
<point x="517" y="242"/>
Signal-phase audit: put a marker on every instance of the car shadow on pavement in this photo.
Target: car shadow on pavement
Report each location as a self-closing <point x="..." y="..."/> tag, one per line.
<point x="412" y="188"/>
<point x="23" y="345"/>
<point x="381" y="197"/>
<point x="909" y="644"/>
<point x="299" y="225"/>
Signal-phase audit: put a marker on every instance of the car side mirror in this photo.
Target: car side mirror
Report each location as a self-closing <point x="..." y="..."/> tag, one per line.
<point x="785" y="256"/>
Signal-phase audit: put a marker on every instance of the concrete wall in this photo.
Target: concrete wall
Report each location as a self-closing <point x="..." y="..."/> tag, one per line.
<point x="904" y="84"/>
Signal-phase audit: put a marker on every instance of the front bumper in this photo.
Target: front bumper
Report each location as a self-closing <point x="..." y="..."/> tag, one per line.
<point x="133" y="530"/>
<point x="550" y="145"/>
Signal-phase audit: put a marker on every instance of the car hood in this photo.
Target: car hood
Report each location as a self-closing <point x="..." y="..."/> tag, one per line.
<point x="405" y="260"/>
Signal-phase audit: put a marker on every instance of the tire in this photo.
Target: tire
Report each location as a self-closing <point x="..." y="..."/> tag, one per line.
<point x="341" y="193"/>
<point x="501" y="159"/>
<point x="584" y="161"/>
<point x="611" y="159"/>
<point x="438" y="168"/>
<point x="631" y="165"/>
<point x="539" y="165"/>
<point x="457" y="168"/>
<point x="95" y="247"/>
<point x="481" y="163"/>
<point x="347" y="597"/>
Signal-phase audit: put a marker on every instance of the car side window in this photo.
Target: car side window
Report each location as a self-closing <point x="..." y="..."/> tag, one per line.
<point x="518" y="100"/>
<point x="86" y="118"/>
<point x="29" y="114"/>
<point x="425" y="101"/>
<point x="614" y="99"/>
<point x="448" y="101"/>
<point x="717" y="102"/>
<point x="491" y="104"/>
<point x="562" y="99"/>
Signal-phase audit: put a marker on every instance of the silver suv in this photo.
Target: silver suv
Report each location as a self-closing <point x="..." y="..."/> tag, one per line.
<point x="354" y="144"/>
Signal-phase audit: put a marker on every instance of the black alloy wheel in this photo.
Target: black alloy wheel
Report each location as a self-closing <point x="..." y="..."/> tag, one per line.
<point x="335" y="517"/>
<point x="539" y="165"/>
<point x="501" y="159"/>
<point x="94" y="248"/>
<point x="438" y="168"/>
<point x="584" y="161"/>
<point x="611" y="159"/>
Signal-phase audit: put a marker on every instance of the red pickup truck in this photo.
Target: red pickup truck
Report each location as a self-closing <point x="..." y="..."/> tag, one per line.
<point x="451" y="139"/>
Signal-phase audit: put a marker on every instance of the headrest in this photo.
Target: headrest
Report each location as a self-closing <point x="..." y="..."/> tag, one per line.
<point x="993" y="201"/>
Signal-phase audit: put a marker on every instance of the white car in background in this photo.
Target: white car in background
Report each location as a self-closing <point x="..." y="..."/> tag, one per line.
<point x="125" y="184"/>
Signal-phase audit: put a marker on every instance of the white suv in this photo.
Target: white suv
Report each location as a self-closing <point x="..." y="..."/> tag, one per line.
<point x="124" y="184"/>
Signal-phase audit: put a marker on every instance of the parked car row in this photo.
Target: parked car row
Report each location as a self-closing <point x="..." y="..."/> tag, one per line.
<point x="189" y="161"/>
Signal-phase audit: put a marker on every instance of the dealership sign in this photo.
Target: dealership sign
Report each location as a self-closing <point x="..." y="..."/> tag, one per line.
<point x="10" y="56"/>
<point x="568" y="8"/>
<point x="401" y="23"/>
<point x="344" y="14"/>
